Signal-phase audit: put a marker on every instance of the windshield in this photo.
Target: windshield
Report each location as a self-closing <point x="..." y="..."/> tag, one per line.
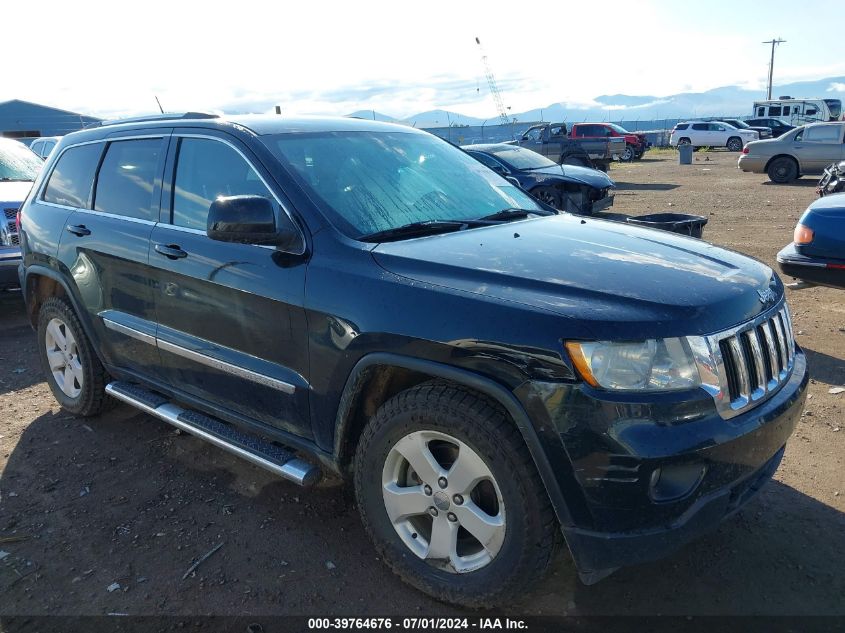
<point x="519" y="158"/>
<point x="835" y="107"/>
<point x="368" y="182"/>
<point x="618" y="128"/>
<point x="17" y="162"/>
<point x="738" y="124"/>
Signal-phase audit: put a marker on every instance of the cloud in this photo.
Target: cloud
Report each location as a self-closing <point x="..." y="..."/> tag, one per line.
<point x="836" y="86"/>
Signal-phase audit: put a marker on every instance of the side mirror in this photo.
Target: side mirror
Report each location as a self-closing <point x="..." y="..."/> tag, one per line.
<point x="250" y="220"/>
<point x="513" y="181"/>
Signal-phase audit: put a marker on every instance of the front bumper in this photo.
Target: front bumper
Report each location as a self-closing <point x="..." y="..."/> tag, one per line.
<point x="10" y="259"/>
<point x="814" y="270"/>
<point x="615" y="447"/>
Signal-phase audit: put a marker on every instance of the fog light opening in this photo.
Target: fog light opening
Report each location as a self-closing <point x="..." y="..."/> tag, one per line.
<point x="670" y="483"/>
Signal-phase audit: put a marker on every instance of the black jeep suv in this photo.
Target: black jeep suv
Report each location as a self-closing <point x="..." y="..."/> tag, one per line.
<point x="362" y="299"/>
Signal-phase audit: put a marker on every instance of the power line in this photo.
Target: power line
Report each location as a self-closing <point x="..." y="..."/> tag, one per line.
<point x="773" y="42"/>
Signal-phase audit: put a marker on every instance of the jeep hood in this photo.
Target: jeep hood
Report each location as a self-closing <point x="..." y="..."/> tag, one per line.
<point x="625" y="281"/>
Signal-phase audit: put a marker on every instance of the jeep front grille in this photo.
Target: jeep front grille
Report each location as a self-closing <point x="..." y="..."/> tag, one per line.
<point x="11" y="226"/>
<point x="753" y="360"/>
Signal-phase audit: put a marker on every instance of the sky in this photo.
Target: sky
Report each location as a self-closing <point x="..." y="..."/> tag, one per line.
<point x="399" y="58"/>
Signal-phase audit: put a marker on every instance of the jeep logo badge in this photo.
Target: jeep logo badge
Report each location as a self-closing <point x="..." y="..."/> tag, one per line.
<point x="766" y="296"/>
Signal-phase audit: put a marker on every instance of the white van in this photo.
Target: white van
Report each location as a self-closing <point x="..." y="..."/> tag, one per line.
<point x="798" y="111"/>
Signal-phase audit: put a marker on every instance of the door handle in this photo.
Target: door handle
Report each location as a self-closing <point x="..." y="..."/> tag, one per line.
<point x="78" y="229"/>
<point x="171" y="251"/>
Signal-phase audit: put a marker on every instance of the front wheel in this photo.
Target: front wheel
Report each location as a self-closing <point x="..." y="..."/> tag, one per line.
<point x="734" y="144"/>
<point x="451" y="499"/>
<point x="628" y="155"/>
<point x="549" y="195"/>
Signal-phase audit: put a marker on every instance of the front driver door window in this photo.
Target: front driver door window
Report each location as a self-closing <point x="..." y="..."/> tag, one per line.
<point x="230" y="316"/>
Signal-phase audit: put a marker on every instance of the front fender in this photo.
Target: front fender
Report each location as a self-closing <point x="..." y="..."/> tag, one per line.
<point x="488" y="387"/>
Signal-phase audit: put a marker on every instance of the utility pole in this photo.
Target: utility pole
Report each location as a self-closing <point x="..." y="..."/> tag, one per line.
<point x="773" y="42"/>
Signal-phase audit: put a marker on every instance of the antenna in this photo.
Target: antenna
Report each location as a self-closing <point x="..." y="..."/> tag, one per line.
<point x="773" y="42"/>
<point x="159" y="104"/>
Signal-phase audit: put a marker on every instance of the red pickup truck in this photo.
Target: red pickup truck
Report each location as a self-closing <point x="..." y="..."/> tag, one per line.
<point x="635" y="144"/>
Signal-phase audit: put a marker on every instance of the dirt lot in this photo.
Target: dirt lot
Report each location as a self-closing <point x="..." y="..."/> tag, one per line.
<point x="124" y="499"/>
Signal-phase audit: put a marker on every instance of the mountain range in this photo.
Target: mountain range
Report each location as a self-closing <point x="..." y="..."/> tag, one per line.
<point x="723" y="101"/>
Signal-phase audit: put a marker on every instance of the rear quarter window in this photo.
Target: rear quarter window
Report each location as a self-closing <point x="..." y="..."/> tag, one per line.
<point x="70" y="182"/>
<point x="682" y="126"/>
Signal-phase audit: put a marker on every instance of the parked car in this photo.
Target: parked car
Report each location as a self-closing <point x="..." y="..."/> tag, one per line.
<point x="805" y="151"/>
<point x="44" y="145"/>
<point x="568" y="188"/>
<point x="635" y="144"/>
<point x="18" y="169"/>
<point x="552" y="140"/>
<point x="778" y="127"/>
<point x="364" y="299"/>
<point x="817" y="253"/>
<point x="708" y="134"/>
<point x="763" y="132"/>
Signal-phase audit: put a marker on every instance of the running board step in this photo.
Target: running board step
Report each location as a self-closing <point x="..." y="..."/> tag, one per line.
<point x="249" y="447"/>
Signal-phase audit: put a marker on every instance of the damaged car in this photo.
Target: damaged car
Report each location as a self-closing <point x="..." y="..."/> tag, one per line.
<point x="564" y="187"/>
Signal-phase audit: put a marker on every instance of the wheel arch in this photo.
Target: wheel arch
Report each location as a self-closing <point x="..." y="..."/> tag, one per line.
<point x="41" y="283"/>
<point x="379" y="376"/>
<point x="776" y="156"/>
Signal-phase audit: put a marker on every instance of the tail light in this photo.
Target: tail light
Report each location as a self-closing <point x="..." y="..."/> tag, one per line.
<point x="803" y="234"/>
<point x="745" y="149"/>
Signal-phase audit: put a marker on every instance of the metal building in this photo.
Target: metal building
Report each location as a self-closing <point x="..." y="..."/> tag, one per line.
<point x="25" y="120"/>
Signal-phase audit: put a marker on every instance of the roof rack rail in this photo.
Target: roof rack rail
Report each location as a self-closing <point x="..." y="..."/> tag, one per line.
<point x="161" y="117"/>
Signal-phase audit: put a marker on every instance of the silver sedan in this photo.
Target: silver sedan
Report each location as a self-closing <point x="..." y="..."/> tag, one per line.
<point x="806" y="150"/>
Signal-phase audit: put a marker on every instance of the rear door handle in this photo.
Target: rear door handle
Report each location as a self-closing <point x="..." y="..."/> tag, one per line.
<point x="78" y="229"/>
<point x="171" y="251"/>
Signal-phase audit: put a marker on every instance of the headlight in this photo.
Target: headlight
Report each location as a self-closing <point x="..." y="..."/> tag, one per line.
<point x="652" y="365"/>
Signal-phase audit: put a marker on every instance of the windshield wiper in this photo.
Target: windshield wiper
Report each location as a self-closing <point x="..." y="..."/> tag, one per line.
<point x="414" y="229"/>
<point x="510" y="214"/>
<point x="4" y="179"/>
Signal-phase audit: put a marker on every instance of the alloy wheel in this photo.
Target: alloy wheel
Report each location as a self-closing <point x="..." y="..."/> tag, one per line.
<point x="443" y="501"/>
<point x="63" y="357"/>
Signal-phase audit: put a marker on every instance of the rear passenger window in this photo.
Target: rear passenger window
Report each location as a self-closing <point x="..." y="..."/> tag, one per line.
<point x="823" y="134"/>
<point x="206" y="170"/>
<point x="127" y="177"/>
<point x="700" y="126"/>
<point x="70" y="182"/>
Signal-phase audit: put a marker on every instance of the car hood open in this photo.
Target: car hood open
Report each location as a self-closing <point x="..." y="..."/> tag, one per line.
<point x="630" y="281"/>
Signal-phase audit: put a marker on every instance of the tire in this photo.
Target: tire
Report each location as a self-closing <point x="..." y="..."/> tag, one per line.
<point x="453" y="423"/>
<point x="628" y="155"/>
<point x="550" y="195"/>
<point x="684" y="141"/>
<point x="734" y="144"/>
<point x="782" y="170"/>
<point x="74" y="373"/>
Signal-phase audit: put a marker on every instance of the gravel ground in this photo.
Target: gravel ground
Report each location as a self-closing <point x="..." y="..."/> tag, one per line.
<point x="106" y="515"/>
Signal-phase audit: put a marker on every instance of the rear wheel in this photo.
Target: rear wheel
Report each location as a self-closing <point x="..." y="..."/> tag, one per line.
<point x="550" y="195"/>
<point x="73" y="371"/>
<point x="450" y="497"/>
<point x="782" y="170"/>
<point x="684" y="141"/>
<point x="734" y="144"/>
